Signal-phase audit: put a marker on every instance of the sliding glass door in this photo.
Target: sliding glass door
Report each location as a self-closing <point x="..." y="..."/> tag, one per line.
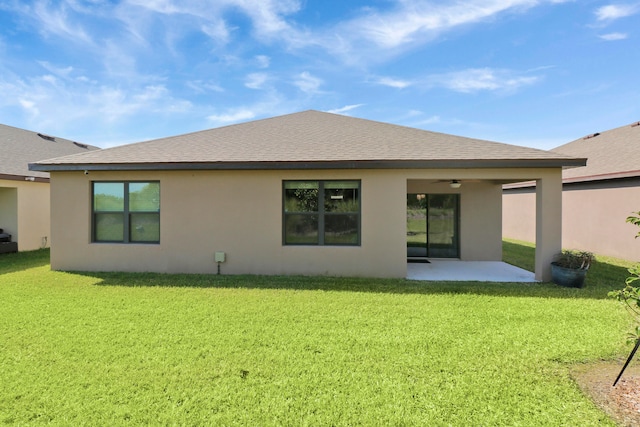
<point x="432" y="225"/>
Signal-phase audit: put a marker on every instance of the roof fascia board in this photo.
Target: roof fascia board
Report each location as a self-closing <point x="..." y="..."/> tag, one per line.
<point x="614" y="175"/>
<point x="364" y="164"/>
<point x="580" y="179"/>
<point x="27" y="178"/>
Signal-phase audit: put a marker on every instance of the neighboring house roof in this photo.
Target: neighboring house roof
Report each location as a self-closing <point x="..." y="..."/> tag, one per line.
<point x="310" y="139"/>
<point x="18" y="147"/>
<point x="613" y="153"/>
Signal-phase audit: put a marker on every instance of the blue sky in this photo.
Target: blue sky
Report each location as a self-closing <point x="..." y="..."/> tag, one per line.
<point x="529" y="72"/>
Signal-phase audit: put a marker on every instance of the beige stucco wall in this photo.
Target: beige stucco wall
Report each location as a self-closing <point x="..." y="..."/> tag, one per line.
<point x="24" y="213"/>
<point x="519" y="215"/>
<point x="240" y="213"/>
<point x="593" y="219"/>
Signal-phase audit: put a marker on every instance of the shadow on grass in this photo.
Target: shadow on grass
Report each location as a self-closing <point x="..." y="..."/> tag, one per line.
<point x="519" y="254"/>
<point x="19" y="261"/>
<point x="602" y="278"/>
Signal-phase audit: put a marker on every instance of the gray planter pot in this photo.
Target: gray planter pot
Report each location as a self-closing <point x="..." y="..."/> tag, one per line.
<point x="569" y="277"/>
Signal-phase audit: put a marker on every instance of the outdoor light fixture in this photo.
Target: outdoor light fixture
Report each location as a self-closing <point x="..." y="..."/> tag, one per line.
<point x="30" y="178"/>
<point x="455" y="183"/>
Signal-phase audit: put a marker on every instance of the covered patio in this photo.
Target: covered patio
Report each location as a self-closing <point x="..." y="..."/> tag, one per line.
<point x="456" y="270"/>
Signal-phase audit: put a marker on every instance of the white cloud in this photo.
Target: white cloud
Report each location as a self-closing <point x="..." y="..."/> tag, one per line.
<point x="58" y="71"/>
<point x="263" y="61"/>
<point x="345" y="108"/>
<point x="58" y="103"/>
<point x="414" y="113"/>
<point x="200" y="86"/>
<point x="480" y="79"/>
<point x="270" y="105"/>
<point x="52" y="80"/>
<point x="267" y="16"/>
<point x="118" y="61"/>
<point x="613" y="36"/>
<point x="115" y="103"/>
<point x="415" y="21"/>
<point x="232" y="116"/>
<point x="30" y="107"/>
<point x="307" y="83"/>
<point x="256" y="80"/>
<point x="396" y="83"/>
<point x="616" y="11"/>
<point x="52" y="21"/>
<point x="159" y="6"/>
<point x="217" y="30"/>
<point x="124" y="40"/>
<point x="431" y="120"/>
<point x="371" y="34"/>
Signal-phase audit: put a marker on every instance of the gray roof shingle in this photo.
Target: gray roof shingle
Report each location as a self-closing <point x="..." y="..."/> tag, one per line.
<point x="613" y="153"/>
<point x="19" y="147"/>
<point x="307" y="139"/>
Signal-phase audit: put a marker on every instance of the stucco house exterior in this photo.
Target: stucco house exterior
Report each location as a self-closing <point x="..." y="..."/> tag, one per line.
<point x="24" y="194"/>
<point x="308" y="193"/>
<point x="596" y="199"/>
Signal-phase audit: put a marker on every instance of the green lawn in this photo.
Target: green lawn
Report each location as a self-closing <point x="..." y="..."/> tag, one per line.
<point x="131" y="349"/>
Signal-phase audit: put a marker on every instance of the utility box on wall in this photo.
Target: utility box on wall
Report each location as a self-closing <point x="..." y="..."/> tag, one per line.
<point x="220" y="257"/>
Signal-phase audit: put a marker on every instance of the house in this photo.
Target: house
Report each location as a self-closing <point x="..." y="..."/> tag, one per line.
<point x="309" y="193"/>
<point x="596" y="199"/>
<point x="24" y="194"/>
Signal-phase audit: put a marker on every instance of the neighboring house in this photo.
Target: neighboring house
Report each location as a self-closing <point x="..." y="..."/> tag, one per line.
<point x="597" y="199"/>
<point x="24" y="194"/>
<point x="308" y="193"/>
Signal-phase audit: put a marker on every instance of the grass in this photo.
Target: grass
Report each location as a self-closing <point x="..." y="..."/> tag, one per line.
<point x="605" y="274"/>
<point x="131" y="349"/>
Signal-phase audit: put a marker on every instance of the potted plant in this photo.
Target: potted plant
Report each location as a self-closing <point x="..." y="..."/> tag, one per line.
<point x="570" y="268"/>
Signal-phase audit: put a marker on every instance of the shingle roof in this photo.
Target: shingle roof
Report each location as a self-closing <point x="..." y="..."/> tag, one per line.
<point x="309" y="139"/>
<point x="18" y="147"/>
<point x="613" y="153"/>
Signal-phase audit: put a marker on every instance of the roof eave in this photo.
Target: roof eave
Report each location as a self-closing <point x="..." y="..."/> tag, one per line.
<point x="603" y="177"/>
<point x="29" y="178"/>
<point x="580" y="179"/>
<point x="302" y="165"/>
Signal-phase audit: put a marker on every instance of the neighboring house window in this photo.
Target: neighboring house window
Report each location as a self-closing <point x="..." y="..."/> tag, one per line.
<point x="321" y="213"/>
<point x="126" y="212"/>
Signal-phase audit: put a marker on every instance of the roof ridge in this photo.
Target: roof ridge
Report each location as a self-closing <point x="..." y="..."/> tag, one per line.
<point x="598" y="134"/>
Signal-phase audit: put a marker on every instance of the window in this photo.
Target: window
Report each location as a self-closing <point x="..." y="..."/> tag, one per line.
<point x="321" y="213"/>
<point x="126" y="212"/>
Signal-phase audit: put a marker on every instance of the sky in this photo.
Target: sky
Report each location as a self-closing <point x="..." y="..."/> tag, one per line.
<point x="538" y="73"/>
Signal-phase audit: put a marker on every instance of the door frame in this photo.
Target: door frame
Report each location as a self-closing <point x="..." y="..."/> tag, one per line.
<point x="456" y="225"/>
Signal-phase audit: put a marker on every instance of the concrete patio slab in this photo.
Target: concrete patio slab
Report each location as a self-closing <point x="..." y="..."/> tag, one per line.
<point x="455" y="270"/>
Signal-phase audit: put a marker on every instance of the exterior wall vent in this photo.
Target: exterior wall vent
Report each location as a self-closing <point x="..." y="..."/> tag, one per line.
<point x="592" y="135"/>
<point x="47" y="137"/>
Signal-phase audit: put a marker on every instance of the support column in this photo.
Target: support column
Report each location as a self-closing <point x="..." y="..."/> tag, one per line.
<point x="548" y="222"/>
